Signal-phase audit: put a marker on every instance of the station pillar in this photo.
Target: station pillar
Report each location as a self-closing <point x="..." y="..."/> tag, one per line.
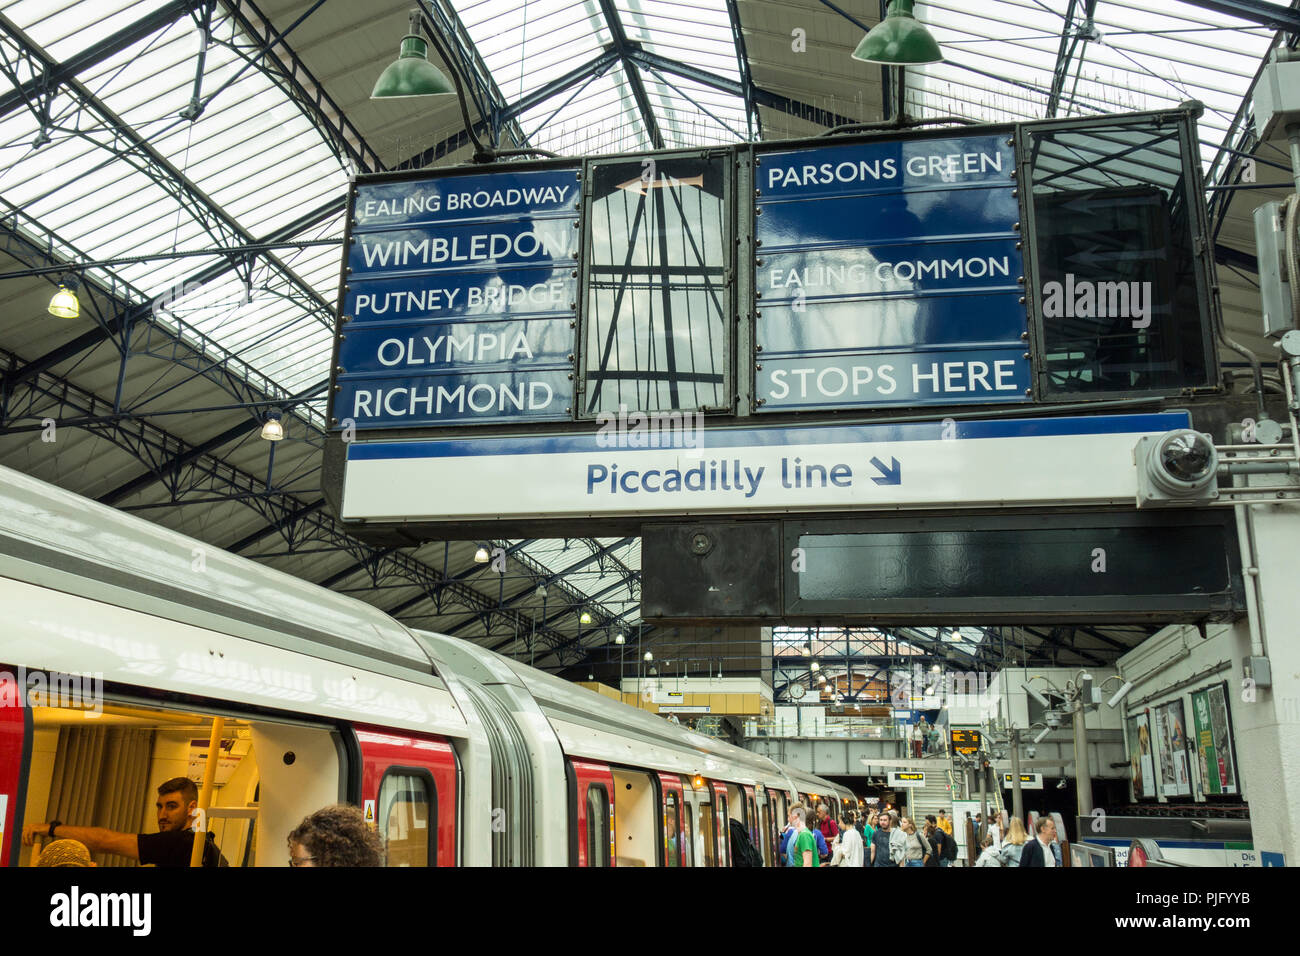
<point x="1268" y="719"/>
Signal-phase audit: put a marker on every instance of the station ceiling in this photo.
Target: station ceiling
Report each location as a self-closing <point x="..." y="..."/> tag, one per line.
<point x="199" y="152"/>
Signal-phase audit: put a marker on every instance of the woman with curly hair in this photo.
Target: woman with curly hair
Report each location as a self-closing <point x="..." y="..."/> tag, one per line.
<point x="335" y="836"/>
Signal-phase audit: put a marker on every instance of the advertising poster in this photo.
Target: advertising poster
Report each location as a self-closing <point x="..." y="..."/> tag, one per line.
<point x="1141" y="765"/>
<point x="1205" y="756"/>
<point x="1171" y="739"/>
<point x="1222" y="728"/>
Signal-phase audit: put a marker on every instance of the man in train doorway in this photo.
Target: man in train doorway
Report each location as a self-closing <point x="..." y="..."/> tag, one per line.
<point x="178" y="799"/>
<point x="803" y="845"/>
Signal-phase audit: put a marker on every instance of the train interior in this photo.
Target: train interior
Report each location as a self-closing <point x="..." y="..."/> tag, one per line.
<point x="102" y="766"/>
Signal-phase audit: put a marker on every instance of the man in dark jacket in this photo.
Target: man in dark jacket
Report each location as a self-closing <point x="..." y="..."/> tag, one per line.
<point x="1043" y="850"/>
<point x="938" y="841"/>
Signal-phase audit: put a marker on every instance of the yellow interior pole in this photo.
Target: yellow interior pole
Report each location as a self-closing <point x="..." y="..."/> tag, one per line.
<point x="205" y="793"/>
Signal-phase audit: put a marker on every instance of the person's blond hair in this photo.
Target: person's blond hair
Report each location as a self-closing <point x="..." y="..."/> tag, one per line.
<point x="1016" y="834"/>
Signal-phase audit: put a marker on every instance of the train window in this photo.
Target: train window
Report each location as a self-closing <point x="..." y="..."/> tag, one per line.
<point x="597" y="826"/>
<point x="687" y="842"/>
<point x="724" y="843"/>
<point x="671" y="829"/>
<point x="408" y="814"/>
<point x="708" y="836"/>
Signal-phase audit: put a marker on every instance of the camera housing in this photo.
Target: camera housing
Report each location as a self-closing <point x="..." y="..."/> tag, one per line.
<point x="1178" y="467"/>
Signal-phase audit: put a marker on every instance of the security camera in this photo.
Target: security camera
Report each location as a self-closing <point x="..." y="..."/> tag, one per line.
<point x="1060" y="784"/>
<point x="1177" y="467"/>
<point x="1053" y="719"/>
<point x="1031" y="751"/>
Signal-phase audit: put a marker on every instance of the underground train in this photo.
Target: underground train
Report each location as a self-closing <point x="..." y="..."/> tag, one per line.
<point x="124" y="644"/>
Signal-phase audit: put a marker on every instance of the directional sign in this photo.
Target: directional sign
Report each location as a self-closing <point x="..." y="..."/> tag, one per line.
<point x="907" y="778"/>
<point x="1028" y="781"/>
<point x="1086" y="460"/>
<point x="459" y="300"/>
<point x="890" y="273"/>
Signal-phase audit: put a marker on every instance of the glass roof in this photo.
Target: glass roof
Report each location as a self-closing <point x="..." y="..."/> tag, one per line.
<point x="116" y="172"/>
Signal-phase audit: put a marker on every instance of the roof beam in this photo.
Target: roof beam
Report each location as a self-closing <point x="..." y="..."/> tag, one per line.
<point x="752" y="119"/>
<point x="723" y="84"/>
<point x="1271" y="15"/>
<point x="593" y="67"/>
<point x="624" y="49"/>
<point x="56" y="74"/>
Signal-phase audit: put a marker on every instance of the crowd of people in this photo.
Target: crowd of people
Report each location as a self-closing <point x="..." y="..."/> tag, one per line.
<point x="886" y="837"/>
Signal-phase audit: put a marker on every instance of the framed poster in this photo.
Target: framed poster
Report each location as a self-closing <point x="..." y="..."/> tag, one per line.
<point x="1171" y="740"/>
<point x="1141" y="766"/>
<point x="1224" y="748"/>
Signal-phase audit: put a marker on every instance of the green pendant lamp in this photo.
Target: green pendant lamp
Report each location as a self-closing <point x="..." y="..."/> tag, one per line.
<point x="411" y="74"/>
<point x="899" y="39"/>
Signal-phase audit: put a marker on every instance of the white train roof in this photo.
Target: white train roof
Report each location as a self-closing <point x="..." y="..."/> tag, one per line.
<point x="55" y="528"/>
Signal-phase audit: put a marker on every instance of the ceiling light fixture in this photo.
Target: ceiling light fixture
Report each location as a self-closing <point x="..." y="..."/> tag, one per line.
<point x="272" y="428"/>
<point x="585" y="617"/>
<point x="411" y="74"/>
<point x="899" y="39"/>
<point x="65" y="304"/>
<point x="481" y="556"/>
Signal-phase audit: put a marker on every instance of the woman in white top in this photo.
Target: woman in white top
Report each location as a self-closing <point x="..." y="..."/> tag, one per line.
<point x="848" y="848"/>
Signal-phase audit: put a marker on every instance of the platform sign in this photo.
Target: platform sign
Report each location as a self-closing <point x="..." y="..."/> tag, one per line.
<point x="890" y="273"/>
<point x="1057" y="461"/>
<point x="965" y="741"/>
<point x="459" y="300"/>
<point x="907" y="778"/>
<point x="1028" y="781"/>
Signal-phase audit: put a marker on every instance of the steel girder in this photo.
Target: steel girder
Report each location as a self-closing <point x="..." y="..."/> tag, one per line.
<point x="1271" y="15"/>
<point x="1071" y="36"/>
<point x="125" y="142"/>
<point x="753" y="122"/>
<point x="622" y="47"/>
<point x="278" y="61"/>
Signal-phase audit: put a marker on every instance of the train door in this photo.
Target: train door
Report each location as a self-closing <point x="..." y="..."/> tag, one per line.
<point x="706" y="830"/>
<point x="722" y="815"/>
<point x="591" y="814"/>
<point x="15" y="745"/>
<point x="409" y="791"/>
<point x="765" y="799"/>
<point x="687" y="800"/>
<point x="674" y="852"/>
<point x="751" y="816"/>
<point x="637" y="831"/>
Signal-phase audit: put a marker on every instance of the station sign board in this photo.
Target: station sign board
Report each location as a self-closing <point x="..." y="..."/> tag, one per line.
<point x="906" y="778"/>
<point x="890" y="273"/>
<point x="1028" y="781"/>
<point x="754" y="470"/>
<point x="966" y="741"/>
<point x="459" y="300"/>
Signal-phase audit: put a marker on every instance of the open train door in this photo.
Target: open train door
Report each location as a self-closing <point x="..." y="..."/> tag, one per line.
<point x="591" y="813"/>
<point x="720" y="818"/>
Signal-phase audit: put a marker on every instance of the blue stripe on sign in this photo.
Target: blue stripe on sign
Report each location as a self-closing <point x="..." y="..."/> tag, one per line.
<point x="1164" y="844"/>
<point x="782" y="437"/>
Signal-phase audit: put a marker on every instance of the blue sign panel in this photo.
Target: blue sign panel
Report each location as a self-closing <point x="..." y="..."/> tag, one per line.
<point x="423" y="346"/>
<point x="459" y="303"/>
<point x="504" y="194"/>
<point x="931" y="377"/>
<point x="455" y="295"/>
<point x="450" y="398"/>
<point x="890" y="273"/>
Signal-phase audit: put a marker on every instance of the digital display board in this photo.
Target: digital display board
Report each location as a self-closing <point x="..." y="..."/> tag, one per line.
<point x="890" y="273"/>
<point x="907" y="778"/>
<point x="966" y="742"/>
<point x="459" y="300"/>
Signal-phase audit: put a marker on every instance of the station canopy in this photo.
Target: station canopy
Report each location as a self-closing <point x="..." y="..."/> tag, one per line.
<point x="189" y="162"/>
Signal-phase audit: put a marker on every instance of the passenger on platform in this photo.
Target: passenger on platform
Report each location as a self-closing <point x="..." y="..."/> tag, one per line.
<point x="938" y="840"/>
<point x="916" y="850"/>
<point x="65" y="853"/>
<point x="882" y="841"/>
<point x="995" y="829"/>
<point x="178" y="801"/>
<point x="1014" y="844"/>
<point x="788" y="832"/>
<point x="803" y="845"/>
<point x="1043" y="850"/>
<point x="944" y="823"/>
<point x="848" y="845"/>
<point x="988" y="855"/>
<point x="826" y="823"/>
<point x="335" y="836"/>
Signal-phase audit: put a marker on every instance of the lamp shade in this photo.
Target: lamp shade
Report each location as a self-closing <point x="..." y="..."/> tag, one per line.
<point x="64" y="304"/>
<point x="899" y="39"/>
<point x="411" y="74"/>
